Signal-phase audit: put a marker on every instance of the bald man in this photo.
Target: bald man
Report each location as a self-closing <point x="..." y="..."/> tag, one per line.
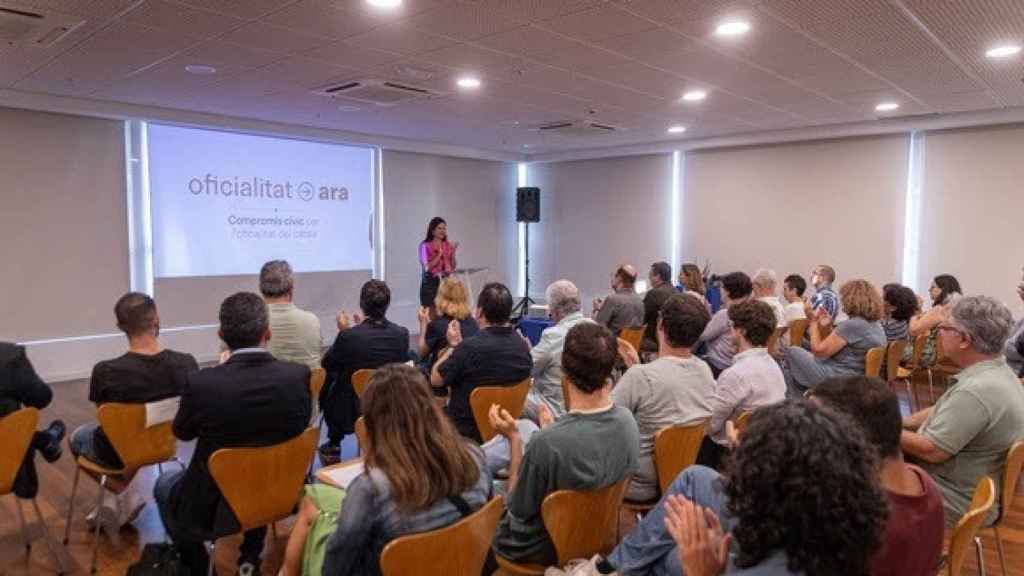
<point x="624" y="308"/>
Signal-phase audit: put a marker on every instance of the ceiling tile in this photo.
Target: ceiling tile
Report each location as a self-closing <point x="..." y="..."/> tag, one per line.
<point x="248" y="9"/>
<point x="347" y="53"/>
<point x="181" y="19"/>
<point x="462" y="22"/>
<point x="401" y="39"/>
<point x="526" y="11"/>
<point x="275" y="38"/>
<point x="325" y="19"/>
<point x="600" y="23"/>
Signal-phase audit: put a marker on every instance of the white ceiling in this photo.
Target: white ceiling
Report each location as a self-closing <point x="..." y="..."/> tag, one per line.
<point x="622" y="62"/>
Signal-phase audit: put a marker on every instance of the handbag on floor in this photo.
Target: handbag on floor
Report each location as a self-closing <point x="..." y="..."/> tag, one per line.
<point x="159" y="559"/>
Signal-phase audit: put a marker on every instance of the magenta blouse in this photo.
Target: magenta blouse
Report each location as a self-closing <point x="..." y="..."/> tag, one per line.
<point x="442" y="266"/>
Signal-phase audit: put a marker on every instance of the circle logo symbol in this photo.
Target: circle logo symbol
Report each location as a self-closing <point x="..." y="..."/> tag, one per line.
<point x="306" y="191"/>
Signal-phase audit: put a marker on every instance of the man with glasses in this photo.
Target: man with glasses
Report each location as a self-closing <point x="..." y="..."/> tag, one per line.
<point x="966" y="434"/>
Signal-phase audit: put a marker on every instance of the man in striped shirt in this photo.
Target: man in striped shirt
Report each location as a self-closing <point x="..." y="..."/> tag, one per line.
<point x="822" y="278"/>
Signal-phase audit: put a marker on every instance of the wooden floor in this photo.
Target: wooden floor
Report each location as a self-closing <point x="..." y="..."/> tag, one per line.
<point x="71" y="405"/>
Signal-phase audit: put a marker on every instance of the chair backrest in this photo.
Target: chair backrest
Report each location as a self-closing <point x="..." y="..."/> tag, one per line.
<point x="797" y="329"/>
<point x="968" y="526"/>
<point x="262" y="485"/>
<point x="918" y="351"/>
<point x="741" y="421"/>
<point x="136" y="445"/>
<point x="360" y="378"/>
<point x="893" y="355"/>
<point x="675" y="448"/>
<point x="633" y="335"/>
<point x="456" y="550"/>
<point x="16" y="429"/>
<point x="873" y="362"/>
<point x="582" y="524"/>
<point x="1011" y="473"/>
<point x="362" y="436"/>
<point x="774" y="339"/>
<point x="565" y="393"/>
<point x="511" y="398"/>
<point x="317" y="376"/>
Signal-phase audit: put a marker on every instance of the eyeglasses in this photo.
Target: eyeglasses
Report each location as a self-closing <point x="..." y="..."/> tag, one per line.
<point x="948" y="328"/>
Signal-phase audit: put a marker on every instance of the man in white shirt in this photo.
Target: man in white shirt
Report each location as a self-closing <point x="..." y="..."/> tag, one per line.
<point x="765" y="282"/>
<point x="295" y="332"/>
<point x="564" y="307"/>
<point x="793" y="288"/>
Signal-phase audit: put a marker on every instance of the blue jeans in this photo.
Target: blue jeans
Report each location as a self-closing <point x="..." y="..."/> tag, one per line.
<point x="496" y="450"/>
<point x="649" y="548"/>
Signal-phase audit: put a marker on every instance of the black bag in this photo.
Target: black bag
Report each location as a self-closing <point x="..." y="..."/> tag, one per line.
<point x="159" y="559"/>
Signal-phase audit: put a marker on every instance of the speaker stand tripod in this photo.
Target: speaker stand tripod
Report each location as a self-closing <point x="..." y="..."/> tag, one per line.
<point x="522" y="309"/>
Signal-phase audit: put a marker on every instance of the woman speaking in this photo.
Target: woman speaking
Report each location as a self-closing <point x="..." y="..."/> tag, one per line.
<point x="437" y="257"/>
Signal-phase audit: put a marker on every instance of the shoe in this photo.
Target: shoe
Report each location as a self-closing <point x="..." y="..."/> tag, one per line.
<point x="249" y="568"/>
<point x="55" y="432"/>
<point x="106" y="513"/>
<point x="578" y="567"/>
<point x="329" y="454"/>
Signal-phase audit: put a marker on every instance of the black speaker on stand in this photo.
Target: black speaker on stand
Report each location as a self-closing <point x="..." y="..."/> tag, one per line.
<point x="527" y="211"/>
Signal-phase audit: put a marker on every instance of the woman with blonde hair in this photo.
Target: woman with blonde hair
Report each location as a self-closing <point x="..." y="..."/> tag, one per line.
<point x="452" y="305"/>
<point x="419" y="475"/>
<point x="842" y="352"/>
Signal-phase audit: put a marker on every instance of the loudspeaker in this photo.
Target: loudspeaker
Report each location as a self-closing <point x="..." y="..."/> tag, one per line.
<point x="527" y="204"/>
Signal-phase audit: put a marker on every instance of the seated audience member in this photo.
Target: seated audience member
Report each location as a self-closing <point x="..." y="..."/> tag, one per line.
<point x="944" y="293"/>
<point x="496" y="356"/>
<point x="899" y="306"/>
<point x="801" y="496"/>
<point x="563" y="300"/>
<point x="842" y="352"/>
<point x="913" y="536"/>
<point x="296" y="332"/>
<point x="822" y="278"/>
<point x="793" y="288"/>
<point x="1014" y="349"/>
<point x="592" y="446"/>
<point x="20" y="386"/>
<point x="451" y="304"/>
<point x="147" y="372"/>
<point x="249" y="400"/>
<point x="660" y="278"/>
<point x="719" y="345"/>
<point x="754" y="379"/>
<point x="371" y="343"/>
<point x="765" y="282"/>
<point x="674" y="389"/>
<point x="419" y="475"/>
<point x="966" y="434"/>
<point x="624" y="308"/>
<point x="691" y="281"/>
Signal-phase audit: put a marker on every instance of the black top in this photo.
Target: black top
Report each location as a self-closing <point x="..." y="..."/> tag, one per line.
<point x="250" y="400"/>
<point x="653" y="301"/>
<point x="437" y="334"/>
<point x="497" y="355"/>
<point x="136" y="379"/>
<point x="1020" y="350"/>
<point x="19" y="383"/>
<point x="370" y="344"/>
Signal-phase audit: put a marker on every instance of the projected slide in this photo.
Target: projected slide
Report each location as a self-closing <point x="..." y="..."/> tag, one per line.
<point x="223" y="203"/>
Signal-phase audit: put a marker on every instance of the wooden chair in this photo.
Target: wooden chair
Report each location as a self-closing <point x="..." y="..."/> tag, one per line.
<point x="967" y="528"/>
<point x="17" y="429"/>
<point x="741" y="421"/>
<point x="317" y="376"/>
<point x="362" y="437"/>
<point x="262" y="485"/>
<point x="797" y="329"/>
<point x="511" y="398"/>
<point x="456" y="550"/>
<point x="873" y="362"/>
<point x="1011" y="473"/>
<point x="893" y="355"/>
<point x="675" y="448"/>
<point x="913" y="366"/>
<point x="580" y="524"/>
<point x="360" y="378"/>
<point x="633" y="335"/>
<point x="565" y="392"/>
<point x="136" y="445"/>
<point x="773" y="341"/>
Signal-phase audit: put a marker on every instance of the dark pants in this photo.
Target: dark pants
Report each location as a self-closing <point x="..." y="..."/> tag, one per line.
<point x="711" y="454"/>
<point x="428" y="289"/>
<point x="189" y="538"/>
<point x="26" y="481"/>
<point x="86" y="441"/>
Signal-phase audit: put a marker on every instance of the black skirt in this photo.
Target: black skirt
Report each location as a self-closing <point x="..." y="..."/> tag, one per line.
<point x="428" y="289"/>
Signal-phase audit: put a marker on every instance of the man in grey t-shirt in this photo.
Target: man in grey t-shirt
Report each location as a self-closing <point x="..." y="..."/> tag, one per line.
<point x="295" y="333"/>
<point x="624" y="308"/>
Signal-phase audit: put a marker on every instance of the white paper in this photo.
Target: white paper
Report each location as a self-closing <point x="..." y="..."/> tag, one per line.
<point x="161" y="411"/>
<point x="341" y="476"/>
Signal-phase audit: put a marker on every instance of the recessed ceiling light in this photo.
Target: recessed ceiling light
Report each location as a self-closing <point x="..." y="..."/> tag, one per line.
<point x="384" y="3"/>
<point x="676" y="129"/>
<point x="887" y="106"/>
<point x="732" y="28"/>
<point x="695" y="95"/>
<point x="1003" y="50"/>
<point x="200" y="69"/>
<point x="468" y="82"/>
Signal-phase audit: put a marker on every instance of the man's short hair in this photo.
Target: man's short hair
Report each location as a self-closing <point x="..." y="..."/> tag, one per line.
<point x="495" y="302"/>
<point x="276" y="279"/>
<point x="626" y="276"/>
<point x="765" y="278"/>
<point x="244" y="320"/>
<point x="871" y="403"/>
<point x="135" y="313"/>
<point x="827" y="271"/>
<point x="563" y="297"/>
<point x="662" y="270"/>
<point x="756" y="319"/>
<point x="986" y="320"/>
<point x="737" y="285"/>
<point x="796" y="283"/>
<point x="683" y="318"/>
<point x="374" y="299"/>
<point x="589" y="355"/>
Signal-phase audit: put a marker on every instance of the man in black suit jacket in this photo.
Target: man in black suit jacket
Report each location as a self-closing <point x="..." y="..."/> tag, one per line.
<point x="371" y="343"/>
<point x="661" y="289"/>
<point x="249" y="400"/>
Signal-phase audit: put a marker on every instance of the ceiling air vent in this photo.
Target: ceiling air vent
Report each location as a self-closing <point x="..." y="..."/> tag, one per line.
<point x="379" y="92"/>
<point x="24" y="28"/>
<point x="577" y="129"/>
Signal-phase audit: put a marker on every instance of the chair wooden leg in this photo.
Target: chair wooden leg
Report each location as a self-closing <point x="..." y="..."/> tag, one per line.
<point x="71" y="505"/>
<point x="931" y="388"/>
<point x="49" y="539"/>
<point x="981" y="559"/>
<point x="21" y="522"/>
<point x="999" y="549"/>
<point x="99" y="523"/>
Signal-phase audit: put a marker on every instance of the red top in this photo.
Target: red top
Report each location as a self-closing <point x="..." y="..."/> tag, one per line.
<point x="913" y="535"/>
<point x="443" y="266"/>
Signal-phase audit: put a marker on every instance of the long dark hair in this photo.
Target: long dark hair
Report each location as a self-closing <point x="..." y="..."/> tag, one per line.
<point x="434" y="223"/>
<point x="948" y="284"/>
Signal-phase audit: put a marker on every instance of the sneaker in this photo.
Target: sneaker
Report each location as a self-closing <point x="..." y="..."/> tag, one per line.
<point x="249" y="568"/>
<point x="329" y="454"/>
<point x="578" y="567"/>
<point x="51" y="451"/>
